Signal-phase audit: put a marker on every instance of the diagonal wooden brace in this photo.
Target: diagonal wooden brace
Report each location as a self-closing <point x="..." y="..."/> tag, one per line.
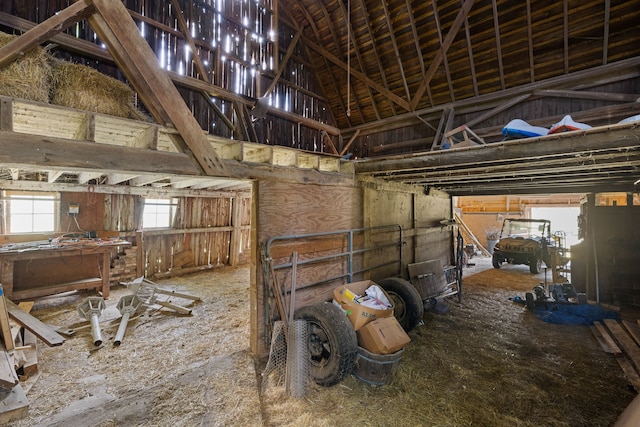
<point x="136" y="59"/>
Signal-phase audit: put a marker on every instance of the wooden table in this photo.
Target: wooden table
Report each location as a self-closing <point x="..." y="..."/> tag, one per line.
<point x="47" y="270"/>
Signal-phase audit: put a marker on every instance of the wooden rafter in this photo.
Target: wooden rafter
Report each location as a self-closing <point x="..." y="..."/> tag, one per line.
<point x="565" y="34"/>
<point x="293" y="24"/>
<point x="416" y="42"/>
<point x="584" y="94"/>
<point x="396" y="51"/>
<point x="202" y="71"/>
<point x="284" y="62"/>
<point x="351" y="141"/>
<point x="498" y="109"/>
<point x="579" y="80"/>
<point x="357" y="74"/>
<point x="356" y="49"/>
<point x="341" y="54"/>
<point x="605" y="38"/>
<point x="530" y="42"/>
<point x="374" y="50"/>
<point x="435" y="63"/>
<point x="438" y="136"/>
<point x="472" y="65"/>
<point x="133" y="55"/>
<point x="445" y="61"/>
<point x="43" y="32"/>
<point x="184" y="28"/>
<point x="496" y="27"/>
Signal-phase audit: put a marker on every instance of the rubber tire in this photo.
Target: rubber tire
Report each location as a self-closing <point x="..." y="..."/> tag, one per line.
<point x="333" y="345"/>
<point x="495" y="261"/>
<point x="408" y="306"/>
<point x="535" y="266"/>
<point x="528" y="297"/>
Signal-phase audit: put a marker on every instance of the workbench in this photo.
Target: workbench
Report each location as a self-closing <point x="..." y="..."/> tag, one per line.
<point x="29" y="272"/>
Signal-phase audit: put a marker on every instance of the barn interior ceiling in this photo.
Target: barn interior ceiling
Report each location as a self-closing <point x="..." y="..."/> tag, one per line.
<point x="392" y="81"/>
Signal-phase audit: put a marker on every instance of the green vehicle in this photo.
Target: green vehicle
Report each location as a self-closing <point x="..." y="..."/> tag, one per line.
<point x="524" y="241"/>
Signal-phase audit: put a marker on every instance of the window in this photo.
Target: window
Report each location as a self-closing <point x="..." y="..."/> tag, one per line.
<point x="158" y="213"/>
<point x="29" y="212"/>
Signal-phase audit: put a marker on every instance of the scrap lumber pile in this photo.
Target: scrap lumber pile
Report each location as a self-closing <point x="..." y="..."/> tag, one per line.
<point x="18" y="355"/>
<point x="124" y="266"/>
<point x="621" y="339"/>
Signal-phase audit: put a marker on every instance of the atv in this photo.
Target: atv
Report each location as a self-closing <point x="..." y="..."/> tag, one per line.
<point x="524" y="241"/>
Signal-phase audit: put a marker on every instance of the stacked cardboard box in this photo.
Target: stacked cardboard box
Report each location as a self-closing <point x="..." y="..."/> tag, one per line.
<point x="378" y="330"/>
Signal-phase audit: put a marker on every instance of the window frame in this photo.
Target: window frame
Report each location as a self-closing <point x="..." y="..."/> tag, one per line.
<point x="173" y="209"/>
<point x="7" y="196"/>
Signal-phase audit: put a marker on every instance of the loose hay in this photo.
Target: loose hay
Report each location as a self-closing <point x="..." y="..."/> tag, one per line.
<point x="488" y="362"/>
<point x="84" y="88"/>
<point x="28" y="77"/>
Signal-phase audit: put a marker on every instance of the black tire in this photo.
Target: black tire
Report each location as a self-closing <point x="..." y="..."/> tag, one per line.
<point x="528" y="297"/>
<point x="408" y="307"/>
<point x="333" y="344"/>
<point x="495" y="260"/>
<point x="535" y="266"/>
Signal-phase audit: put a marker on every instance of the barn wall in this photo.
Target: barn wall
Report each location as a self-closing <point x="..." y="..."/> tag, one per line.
<point x="208" y="231"/>
<point x="481" y="214"/>
<point x="605" y="264"/>
<point x="284" y="210"/>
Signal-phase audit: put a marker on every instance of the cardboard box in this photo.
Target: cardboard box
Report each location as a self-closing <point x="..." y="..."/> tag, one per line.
<point x="358" y="314"/>
<point x="383" y="336"/>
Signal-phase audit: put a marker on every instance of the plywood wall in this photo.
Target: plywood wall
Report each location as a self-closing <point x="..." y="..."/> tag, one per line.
<point x="284" y="211"/>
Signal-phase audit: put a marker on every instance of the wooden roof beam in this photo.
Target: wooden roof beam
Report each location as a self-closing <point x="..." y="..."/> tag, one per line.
<point x="113" y="24"/>
<point x="530" y="42"/>
<point x="445" y="61"/>
<point x="605" y="38"/>
<point x="360" y="76"/>
<point x="394" y="43"/>
<point x="374" y="49"/>
<point x="472" y="65"/>
<point x="44" y="31"/>
<point x="435" y="63"/>
<point x="359" y="59"/>
<point x="496" y="27"/>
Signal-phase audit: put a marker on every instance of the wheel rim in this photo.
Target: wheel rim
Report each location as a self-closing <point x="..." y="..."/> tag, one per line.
<point x="399" y="307"/>
<point x="319" y="345"/>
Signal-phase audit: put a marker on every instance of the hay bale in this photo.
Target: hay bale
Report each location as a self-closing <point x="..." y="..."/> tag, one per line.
<point x="84" y="88"/>
<point x="28" y="77"/>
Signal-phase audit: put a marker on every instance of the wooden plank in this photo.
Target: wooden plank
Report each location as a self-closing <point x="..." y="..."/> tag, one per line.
<point x="633" y="329"/>
<point x="14" y="405"/>
<point x="629" y="372"/>
<point x="30" y="366"/>
<point x="603" y="336"/>
<point x="47" y="334"/>
<point x="596" y="334"/>
<point x="16" y="148"/>
<point x="8" y="376"/>
<point x="626" y="342"/>
<point x="5" y="327"/>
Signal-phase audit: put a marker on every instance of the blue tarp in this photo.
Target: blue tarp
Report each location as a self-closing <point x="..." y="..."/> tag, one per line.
<point x="573" y="314"/>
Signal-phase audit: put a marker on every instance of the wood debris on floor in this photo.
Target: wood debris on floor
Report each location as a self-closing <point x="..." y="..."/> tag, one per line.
<point x="18" y="355"/>
<point x="622" y="340"/>
<point x="20" y="332"/>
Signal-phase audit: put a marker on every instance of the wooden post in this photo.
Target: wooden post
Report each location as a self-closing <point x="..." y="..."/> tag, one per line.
<point x="236" y="234"/>
<point x="4" y="323"/>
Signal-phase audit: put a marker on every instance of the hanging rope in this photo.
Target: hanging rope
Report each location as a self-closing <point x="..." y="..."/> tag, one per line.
<point x="348" y="58"/>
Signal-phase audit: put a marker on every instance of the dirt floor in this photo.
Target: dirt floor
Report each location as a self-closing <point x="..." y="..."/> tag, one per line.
<point x="484" y="362"/>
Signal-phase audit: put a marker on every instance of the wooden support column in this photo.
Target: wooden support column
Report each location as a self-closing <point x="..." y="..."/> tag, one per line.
<point x="139" y="254"/>
<point x="236" y="233"/>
